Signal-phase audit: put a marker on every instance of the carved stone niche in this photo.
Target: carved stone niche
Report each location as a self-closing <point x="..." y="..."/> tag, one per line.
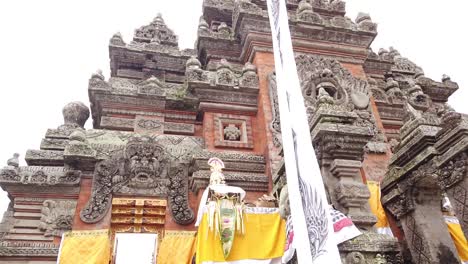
<point x="143" y="168"/>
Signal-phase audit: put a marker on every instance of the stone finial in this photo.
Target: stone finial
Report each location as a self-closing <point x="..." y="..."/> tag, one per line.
<point x="224" y="64"/>
<point x="13" y="161"/>
<point x="117" y="39"/>
<point x="217" y="176"/>
<point x="361" y="17"/>
<point x="445" y="78"/>
<point x="394" y="52"/>
<point x="98" y="75"/>
<point x="75" y="113"/>
<point x="193" y="63"/>
<point x="157" y="33"/>
<point x="304" y="6"/>
<point x="203" y="26"/>
<point x="224" y="29"/>
<point x="158" y="19"/>
<point x="249" y="68"/>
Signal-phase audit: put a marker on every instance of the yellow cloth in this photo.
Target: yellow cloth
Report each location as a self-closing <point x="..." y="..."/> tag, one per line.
<point x="177" y="247"/>
<point x="376" y="206"/>
<point x="85" y="247"/>
<point x="264" y="238"/>
<point x="458" y="239"/>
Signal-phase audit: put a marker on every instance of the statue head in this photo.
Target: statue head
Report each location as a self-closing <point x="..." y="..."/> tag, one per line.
<point x="145" y="162"/>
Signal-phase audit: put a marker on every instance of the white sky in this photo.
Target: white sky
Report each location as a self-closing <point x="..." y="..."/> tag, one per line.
<point x="50" y="48"/>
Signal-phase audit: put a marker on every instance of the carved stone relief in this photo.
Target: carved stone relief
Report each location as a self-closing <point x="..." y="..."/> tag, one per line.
<point x="57" y="217"/>
<point x="142" y="168"/>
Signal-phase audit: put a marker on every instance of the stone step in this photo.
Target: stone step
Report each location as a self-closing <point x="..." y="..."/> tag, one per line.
<point x="28" y="207"/>
<point x="26" y="223"/>
<point x="20" y="215"/>
<point x="26" y="231"/>
<point x="28" y="237"/>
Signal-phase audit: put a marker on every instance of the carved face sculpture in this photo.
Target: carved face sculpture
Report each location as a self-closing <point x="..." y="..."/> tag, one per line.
<point x="144" y="160"/>
<point x="418" y="99"/>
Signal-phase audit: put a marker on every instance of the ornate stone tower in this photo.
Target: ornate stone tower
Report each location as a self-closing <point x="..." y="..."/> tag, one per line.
<point x="164" y="112"/>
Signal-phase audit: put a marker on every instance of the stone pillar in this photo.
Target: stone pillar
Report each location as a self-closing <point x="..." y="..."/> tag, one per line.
<point x="416" y="202"/>
<point x="350" y="193"/>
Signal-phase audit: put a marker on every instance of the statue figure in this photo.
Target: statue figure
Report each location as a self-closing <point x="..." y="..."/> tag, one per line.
<point x="217" y="176"/>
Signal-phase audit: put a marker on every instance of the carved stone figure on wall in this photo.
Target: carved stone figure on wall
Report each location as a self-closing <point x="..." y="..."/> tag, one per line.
<point x="143" y="168"/>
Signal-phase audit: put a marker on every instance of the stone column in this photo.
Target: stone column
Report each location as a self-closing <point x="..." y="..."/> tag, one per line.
<point x="418" y="209"/>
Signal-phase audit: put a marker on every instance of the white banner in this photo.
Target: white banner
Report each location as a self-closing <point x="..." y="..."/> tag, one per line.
<point x="313" y="227"/>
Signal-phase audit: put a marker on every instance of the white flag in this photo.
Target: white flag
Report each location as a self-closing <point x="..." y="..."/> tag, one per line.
<point x="311" y="219"/>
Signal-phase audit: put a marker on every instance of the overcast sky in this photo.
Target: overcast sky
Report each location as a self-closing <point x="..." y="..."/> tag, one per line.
<point x="49" y="49"/>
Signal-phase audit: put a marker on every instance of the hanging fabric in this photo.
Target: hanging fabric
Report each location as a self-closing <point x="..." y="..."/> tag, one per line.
<point x="85" y="247"/>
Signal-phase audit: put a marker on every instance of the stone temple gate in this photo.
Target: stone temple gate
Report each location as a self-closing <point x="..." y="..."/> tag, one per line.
<point x="163" y="112"/>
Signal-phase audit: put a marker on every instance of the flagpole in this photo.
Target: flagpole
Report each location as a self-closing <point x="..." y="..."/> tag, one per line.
<point x="312" y="223"/>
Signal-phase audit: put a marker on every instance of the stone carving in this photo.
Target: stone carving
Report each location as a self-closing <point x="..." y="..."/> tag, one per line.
<point x="181" y="128"/>
<point x="14" y="161"/>
<point x="142" y="168"/>
<point x="28" y="249"/>
<point x="305" y="13"/>
<point x="356" y="258"/>
<point x="249" y="76"/>
<point x="365" y="23"/>
<point x="331" y="5"/>
<point x="224" y="73"/>
<point x="156" y="32"/>
<point x="145" y="168"/>
<point x="117" y="40"/>
<point x="323" y="76"/>
<point x="57" y="217"/>
<point x="453" y="172"/>
<point x="38" y="175"/>
<point x="232" y="133"/>
<point x="275" y="118"/>
<point x="178" y="195"/>
<point x="75" y="114"/>
<point x="149" y="124"/>
<point x="152" y="86"/>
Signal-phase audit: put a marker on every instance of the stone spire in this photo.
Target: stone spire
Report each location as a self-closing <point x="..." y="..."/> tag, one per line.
<point x="156" y="32"/>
